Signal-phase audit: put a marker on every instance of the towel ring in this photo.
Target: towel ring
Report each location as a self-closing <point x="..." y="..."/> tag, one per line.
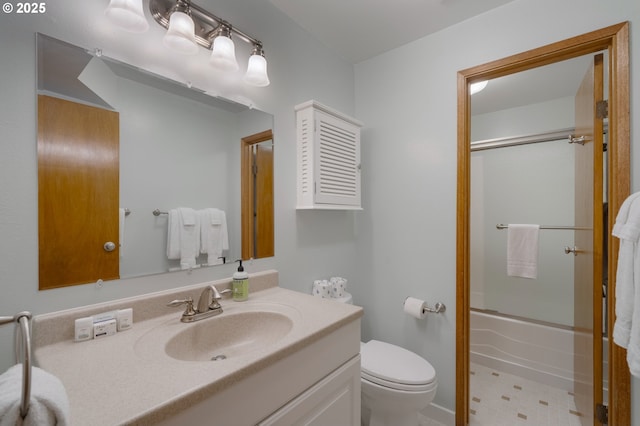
<point x="22" y="340"/>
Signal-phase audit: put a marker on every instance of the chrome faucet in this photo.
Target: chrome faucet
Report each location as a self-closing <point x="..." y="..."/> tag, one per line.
<point x="208" y="305"/>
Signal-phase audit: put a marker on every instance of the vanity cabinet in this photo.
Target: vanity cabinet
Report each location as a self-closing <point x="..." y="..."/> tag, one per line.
<point x="328" y="157"/>
<point x="335" y="400"/>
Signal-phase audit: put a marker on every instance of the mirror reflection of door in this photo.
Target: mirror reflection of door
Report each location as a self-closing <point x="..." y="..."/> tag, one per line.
<point x="78" y="179"/>
<point x="536" y="344"/>
<point x="257" y="196"/>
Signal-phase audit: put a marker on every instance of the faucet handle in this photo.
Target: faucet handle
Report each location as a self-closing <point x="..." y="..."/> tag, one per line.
<point x="179" y="302"/>
<point x="217" y="295"/>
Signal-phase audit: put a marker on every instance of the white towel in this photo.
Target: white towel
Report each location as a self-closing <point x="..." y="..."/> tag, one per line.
<point x="213" y="234"/>
<point x="173" y="235"/>
<point x="189" y="237"/>
<point x="49" y="404"/>
<point x="626" y="330"/>
<point x="522" y="250"/>
<point x="121" y="217"/>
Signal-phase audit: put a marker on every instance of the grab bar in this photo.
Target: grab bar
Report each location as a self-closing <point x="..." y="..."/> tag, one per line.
<point x="24" y="341"/>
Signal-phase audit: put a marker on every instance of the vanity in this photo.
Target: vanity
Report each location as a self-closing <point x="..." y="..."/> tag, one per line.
<point x="280" y="358"/>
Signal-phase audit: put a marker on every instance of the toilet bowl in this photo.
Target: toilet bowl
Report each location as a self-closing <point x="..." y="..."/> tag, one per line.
<point x="396" y="384"/>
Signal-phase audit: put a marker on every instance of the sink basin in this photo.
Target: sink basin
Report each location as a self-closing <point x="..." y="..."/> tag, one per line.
<point x="228" y="335"/>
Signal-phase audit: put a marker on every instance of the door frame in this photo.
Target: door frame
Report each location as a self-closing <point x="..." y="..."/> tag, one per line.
<point x="615" y="39"/>
<point x="246" y="188"/>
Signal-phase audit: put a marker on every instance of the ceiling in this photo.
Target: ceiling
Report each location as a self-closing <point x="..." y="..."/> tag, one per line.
<point x="361" y="29"/>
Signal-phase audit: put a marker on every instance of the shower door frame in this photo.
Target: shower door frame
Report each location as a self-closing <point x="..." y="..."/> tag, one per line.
<point x="615" y="39"/>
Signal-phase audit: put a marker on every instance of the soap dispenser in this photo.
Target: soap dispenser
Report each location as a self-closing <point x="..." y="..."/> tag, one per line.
<point x="240" y="284"/>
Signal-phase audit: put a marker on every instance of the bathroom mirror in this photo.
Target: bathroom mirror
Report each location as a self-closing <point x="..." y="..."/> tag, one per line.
<point x="178" y="147"/>
<point x="588" y="235"/>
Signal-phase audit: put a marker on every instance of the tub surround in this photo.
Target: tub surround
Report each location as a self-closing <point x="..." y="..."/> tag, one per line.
<point x="127" y="378"/>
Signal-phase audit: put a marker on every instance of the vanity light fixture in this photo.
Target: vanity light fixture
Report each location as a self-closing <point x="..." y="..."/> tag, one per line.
<point x="180" y="35"/>
<point x="189" y="25"/>
<point x="223" y="51"/>
<point x="128" y="15"/>
<point x="477" y="86"/>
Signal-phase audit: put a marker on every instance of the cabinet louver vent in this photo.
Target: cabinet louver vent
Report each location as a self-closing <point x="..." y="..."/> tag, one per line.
<point x="338" y="163"/>
<point x="328" y="158"/>
<point x="305" y="172"/>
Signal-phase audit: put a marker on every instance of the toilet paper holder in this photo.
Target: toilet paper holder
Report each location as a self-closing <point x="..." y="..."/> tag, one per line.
<point x="438" y="308"/>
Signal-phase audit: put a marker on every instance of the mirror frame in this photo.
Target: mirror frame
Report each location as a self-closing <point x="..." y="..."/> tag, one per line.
<point x="615" y="38"/>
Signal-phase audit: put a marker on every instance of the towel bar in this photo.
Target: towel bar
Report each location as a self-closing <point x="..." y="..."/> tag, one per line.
<point x="157" y="212"/>
<point x="577" y="228"/>
<point x="22" y="339"/>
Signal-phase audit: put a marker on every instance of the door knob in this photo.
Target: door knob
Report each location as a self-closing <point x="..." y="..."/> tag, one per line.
<point x="573" y="250"/>
<point x="109" y="246"/>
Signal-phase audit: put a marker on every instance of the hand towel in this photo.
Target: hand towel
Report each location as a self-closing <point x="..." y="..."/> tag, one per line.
<point x="213" y="234"/>
<point x="49" y="404"/>
<point x="626" y="330"/>
<point x="623" y="230"/>
<point x="189" y="237"/>
<point x="173" y="235"/>
<point x="121" y="217"/>
<point x="522" y="250"/>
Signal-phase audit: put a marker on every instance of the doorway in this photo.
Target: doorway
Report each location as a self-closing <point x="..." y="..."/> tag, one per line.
<point x="614" y="40"/>
<point x="257" y="196"/>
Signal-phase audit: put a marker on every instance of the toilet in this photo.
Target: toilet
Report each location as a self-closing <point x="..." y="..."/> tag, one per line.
<point x="396" y="384"/>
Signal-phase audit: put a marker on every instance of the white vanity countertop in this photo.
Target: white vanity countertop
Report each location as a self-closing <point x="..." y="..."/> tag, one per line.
<point x="123" y="379"/>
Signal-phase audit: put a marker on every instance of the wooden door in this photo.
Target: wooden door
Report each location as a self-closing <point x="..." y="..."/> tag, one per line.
<point x="257" y="195"/>
<point x="263" y="193"/>
<point x="78" y="193"/>
<point x="588" y="243"/>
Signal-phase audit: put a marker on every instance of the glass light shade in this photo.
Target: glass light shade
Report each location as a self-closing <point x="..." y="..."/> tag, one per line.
<point x="127" y="15"/>
<point x="257" y="71"/>
<point x="478" y="86"/>
<point x="181" y="34"/>
<point x="223" y="54"/>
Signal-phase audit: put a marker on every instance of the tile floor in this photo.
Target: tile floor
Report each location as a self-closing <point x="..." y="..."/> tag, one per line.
<point x="502" y="399"/>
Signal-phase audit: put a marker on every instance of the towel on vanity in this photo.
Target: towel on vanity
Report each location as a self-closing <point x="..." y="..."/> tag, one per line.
<point x="214" y="237"/>
<point x="49" y="404"/>
<point x="189" y="237"/>
<point x="522" y="250"/>
<point x="626" y="330"/>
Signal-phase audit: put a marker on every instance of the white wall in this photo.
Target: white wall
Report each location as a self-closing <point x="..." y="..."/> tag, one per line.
<point x="307" y="246"/>
<point x="406" y="234"/>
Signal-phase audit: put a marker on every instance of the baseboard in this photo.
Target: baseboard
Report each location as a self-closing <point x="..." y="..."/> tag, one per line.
<point x="439" y="414"/>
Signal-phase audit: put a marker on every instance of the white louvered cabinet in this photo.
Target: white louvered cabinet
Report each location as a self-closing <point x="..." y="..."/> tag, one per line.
<point x="328" y="145"/>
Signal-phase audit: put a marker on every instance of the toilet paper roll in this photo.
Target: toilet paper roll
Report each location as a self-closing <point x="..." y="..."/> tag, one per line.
<point x="322" y="288"/>
<point x="338" y="286"/>
<point x="415" y="307"/>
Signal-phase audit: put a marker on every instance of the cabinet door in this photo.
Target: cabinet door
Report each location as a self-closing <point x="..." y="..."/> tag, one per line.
<point x="337" y="154"/>
<point x="335" y="400"/>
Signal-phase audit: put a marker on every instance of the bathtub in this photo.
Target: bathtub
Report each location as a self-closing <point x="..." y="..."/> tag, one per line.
<point x="537" y="351"/>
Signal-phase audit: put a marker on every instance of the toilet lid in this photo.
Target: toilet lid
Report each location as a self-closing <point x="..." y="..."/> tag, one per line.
<point x="394" y="364"/>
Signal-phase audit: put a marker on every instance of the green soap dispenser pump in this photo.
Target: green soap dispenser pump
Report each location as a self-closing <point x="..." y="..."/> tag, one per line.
<point x="240" y="284"/>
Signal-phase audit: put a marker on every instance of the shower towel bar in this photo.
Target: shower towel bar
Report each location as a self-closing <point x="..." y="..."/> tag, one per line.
<point x="577" y="228"/>
<point x="22" y="318"/>
<point x="157" y="212"/>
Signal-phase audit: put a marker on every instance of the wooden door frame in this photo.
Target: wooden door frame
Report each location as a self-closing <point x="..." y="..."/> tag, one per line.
<point x="615" y="38"/>
<point x="246" y="188"/>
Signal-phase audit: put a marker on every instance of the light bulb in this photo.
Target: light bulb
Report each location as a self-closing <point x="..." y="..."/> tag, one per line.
<point x="181" y="34"/>
<point x="477" y="86"/>
<point x="257" y="71"/>
<point x="127" y="15"/>
<point x="223" y="54"/>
